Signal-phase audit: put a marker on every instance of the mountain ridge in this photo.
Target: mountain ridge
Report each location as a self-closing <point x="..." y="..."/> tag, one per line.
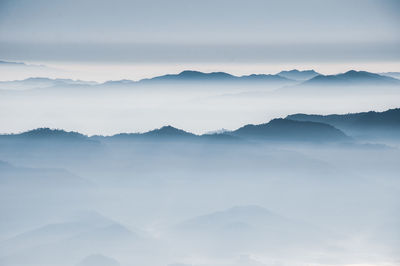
<point x="289" y="78"/>
<point x="300" y="127"/>
<point x="358" y="123"/>
<point x="290" y="130"/>
<point x="299" y="75"/>
<point x="351" y="77"/>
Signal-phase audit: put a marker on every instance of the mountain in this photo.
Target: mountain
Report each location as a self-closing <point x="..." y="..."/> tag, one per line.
<point x="351" y="77"/>
<point x="265" y="78"/>
<point x="163" y="133"/>
<point x="249" y="227"/>
<point x="291" y="130"/>
<point x="283" y="78"/>
<point x="366" y="123"/>
<point x="395" y="75"/>
<point x="248" y="214"/>
<point x="168" y="131"/>
<point x="3" y="63"/>
<point x="47" y="134"/>
<point x="122" y="82"/>
<point x="78" y="223"/>
<point x="74" y="238"/>
<point x="296" y="127"/>
<point x="187" y="76"/>
<point x="28" y="177"/>
<point x="42" y="83"/>
<point x="44" y="141"/>
<point x="298" y="75"/>
<point x="51" y="133"/>
<point x="275" y="130"/>
<point x="190" y="76"/>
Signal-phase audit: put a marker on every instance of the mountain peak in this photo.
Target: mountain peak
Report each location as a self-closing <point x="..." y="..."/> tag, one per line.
<point x="168" y="131"/>
<point x="46" y="132"/>
<point x="285" y="129"/>
<point x="192" y="74"/>
<point x="297" y="71"/>
<point x="358" y="73"/>
<point x="299" y="75"/>
<point x="352" y="77"/>
<point x="374" y="124"/>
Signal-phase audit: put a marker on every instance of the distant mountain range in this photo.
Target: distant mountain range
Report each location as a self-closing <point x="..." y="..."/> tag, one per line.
<point x="249" y="225"/>
<point x="189" y="76"/>
<point x="351" y="77"/>
<point x="371" y="123"/>
<point x="164" y="132"/>
<point x="395" y="75"/>
<point x="275" y="130"/>
<point x="11" y="175"/>
<point x="290" y="130"/>
<point x="3" y="63"/>
<point x="48" y="134"/>
<point x="291" y="78"/>
<point x="298" y="75"/>
<point x="296" y="127"/>
<point x="78" y="233"/>
<point x="42" y="83"/>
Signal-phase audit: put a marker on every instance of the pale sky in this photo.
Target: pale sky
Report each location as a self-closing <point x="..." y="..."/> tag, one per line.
<point x="201" y="32"/>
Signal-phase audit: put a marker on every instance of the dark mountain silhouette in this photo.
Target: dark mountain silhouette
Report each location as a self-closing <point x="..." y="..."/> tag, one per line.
<point x="373" y="123"/>
<point x="277" y="129"/>
<point x="190" y="76"/>
<point x="291" y="130"/>
<point x="11" y="63"/>
<point x="47" y="138"/>
<point x="169" y="133"/>
<point x="187" y="76"/>
<point x="297" y="127"/>
<point x="166" y="132"/>
<point x="298" y="75"/>
<point x="47" y="133"/>
<point x="283" y="78"/>
<point x="352" y="77"/>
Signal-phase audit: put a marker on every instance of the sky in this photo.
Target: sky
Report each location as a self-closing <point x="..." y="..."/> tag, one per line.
<point x="201" y="32"/>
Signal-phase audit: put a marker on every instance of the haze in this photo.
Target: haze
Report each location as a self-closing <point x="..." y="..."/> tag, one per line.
<point x="199" y="133"/>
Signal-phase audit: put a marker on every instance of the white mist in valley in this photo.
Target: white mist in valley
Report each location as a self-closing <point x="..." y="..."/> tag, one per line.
<point x="125" y="201"/>
<point x="128" y="106"/>
<point x="303" y="190"/>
